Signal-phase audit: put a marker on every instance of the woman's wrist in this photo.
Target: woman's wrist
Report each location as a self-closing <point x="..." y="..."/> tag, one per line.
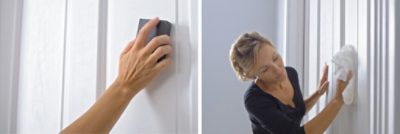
<point x="125" y="90"/>
<point x="339" y="97"/>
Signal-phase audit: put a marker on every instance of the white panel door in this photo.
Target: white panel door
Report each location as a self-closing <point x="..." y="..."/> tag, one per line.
<point x="165" y="105"/>
<point x="57" y="81"/>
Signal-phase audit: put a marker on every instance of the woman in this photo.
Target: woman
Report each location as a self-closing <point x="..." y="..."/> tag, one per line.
<point x="274" y="100"/>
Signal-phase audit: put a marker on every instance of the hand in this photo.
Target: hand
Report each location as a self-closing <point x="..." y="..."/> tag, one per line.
<point x="138" y="63"/>
<point x="341" y="85"/>
<point x="323" y="83"/>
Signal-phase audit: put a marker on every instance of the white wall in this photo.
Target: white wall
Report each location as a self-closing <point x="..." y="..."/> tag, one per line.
<point x="223" y="21"/>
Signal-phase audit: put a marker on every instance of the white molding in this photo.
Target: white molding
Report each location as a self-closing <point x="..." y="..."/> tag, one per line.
<point x="81" y="37"/>
<point x="102" y="47"/>
<point x="397" y="65"/>
<point x="10" y="16"/>
<point x="186" y="28"/>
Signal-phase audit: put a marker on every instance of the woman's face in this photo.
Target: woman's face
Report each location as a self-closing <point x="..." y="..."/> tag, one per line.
<point x="269" y="65"/>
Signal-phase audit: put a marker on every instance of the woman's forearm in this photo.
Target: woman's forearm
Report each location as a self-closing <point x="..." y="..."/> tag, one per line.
<point x="321" y="122"/>
<point x="310" y="101"/>
<point x="102" y="116"/>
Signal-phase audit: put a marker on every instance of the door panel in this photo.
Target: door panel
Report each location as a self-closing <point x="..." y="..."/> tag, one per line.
<point x="167" y="104"/>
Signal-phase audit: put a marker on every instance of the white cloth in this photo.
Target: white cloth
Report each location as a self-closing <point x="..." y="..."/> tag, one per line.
<point x="345" y="60"/>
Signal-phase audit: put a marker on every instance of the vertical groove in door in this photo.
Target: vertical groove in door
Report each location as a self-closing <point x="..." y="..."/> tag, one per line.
<point x="327" y="93"/>
<point x="63" y="65"/>
<point x="376" y="67"/>
<point x="306" y="41"/>
<point x="12" y="126"/>
<point x="101" y="48"/>
<point x="284" y="29"/>
<point x="373" y="65"/>
<point x="383" y="65"/>
<point x="369" y="60"/>
<point x="176" y="63"/>
<point x="318" y="45"/>
<point x="387" y="64"/>
<point x="306" y="61"/>
<point x="379" y="67"/>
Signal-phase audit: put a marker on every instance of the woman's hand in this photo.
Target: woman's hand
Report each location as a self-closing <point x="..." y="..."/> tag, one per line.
<point x="138" y="63"/>
<point x="323" y="83"/>
<point x="341" y="85"/>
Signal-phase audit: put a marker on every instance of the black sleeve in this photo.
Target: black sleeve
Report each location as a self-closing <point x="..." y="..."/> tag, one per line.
<point x="270" y="117"/>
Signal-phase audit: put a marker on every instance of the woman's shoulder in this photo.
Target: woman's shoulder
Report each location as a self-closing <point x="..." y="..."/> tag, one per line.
<point x="254" y="95"/>
<point x="290" y="70"/>
<point x="292" y="73"/>
<point x="251" y="91"/>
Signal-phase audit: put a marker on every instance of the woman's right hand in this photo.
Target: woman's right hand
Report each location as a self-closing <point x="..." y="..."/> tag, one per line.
<point x="139" y="62"/>
<point x="341" y="85"/>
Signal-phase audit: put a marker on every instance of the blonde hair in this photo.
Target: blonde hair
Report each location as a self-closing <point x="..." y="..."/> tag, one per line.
<point x="243" y="54"/>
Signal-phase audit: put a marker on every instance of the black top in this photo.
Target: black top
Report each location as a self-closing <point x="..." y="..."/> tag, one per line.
<point x="270" y="116"/>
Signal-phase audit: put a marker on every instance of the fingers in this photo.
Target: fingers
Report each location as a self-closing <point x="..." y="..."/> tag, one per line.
<point x="156" y="42"/>
<point x="144" y="32"/>
<point x="342" y="83"/>
<point x="326" y="69"/>
<point x="324" y="87"/>
<point x="325" y="72"/>
<point x="324" y="76"/>
<point x="163" y="64"/>
<point x="159" y="52"/>
<point x="128" y="47"/>
<point x="349" y="75"/>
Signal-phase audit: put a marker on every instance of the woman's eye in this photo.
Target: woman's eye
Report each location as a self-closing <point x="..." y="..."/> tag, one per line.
<point x="276" y="58"/>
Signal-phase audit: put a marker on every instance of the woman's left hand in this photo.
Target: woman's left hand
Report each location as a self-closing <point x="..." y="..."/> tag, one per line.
<point x="323" y="83"/>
